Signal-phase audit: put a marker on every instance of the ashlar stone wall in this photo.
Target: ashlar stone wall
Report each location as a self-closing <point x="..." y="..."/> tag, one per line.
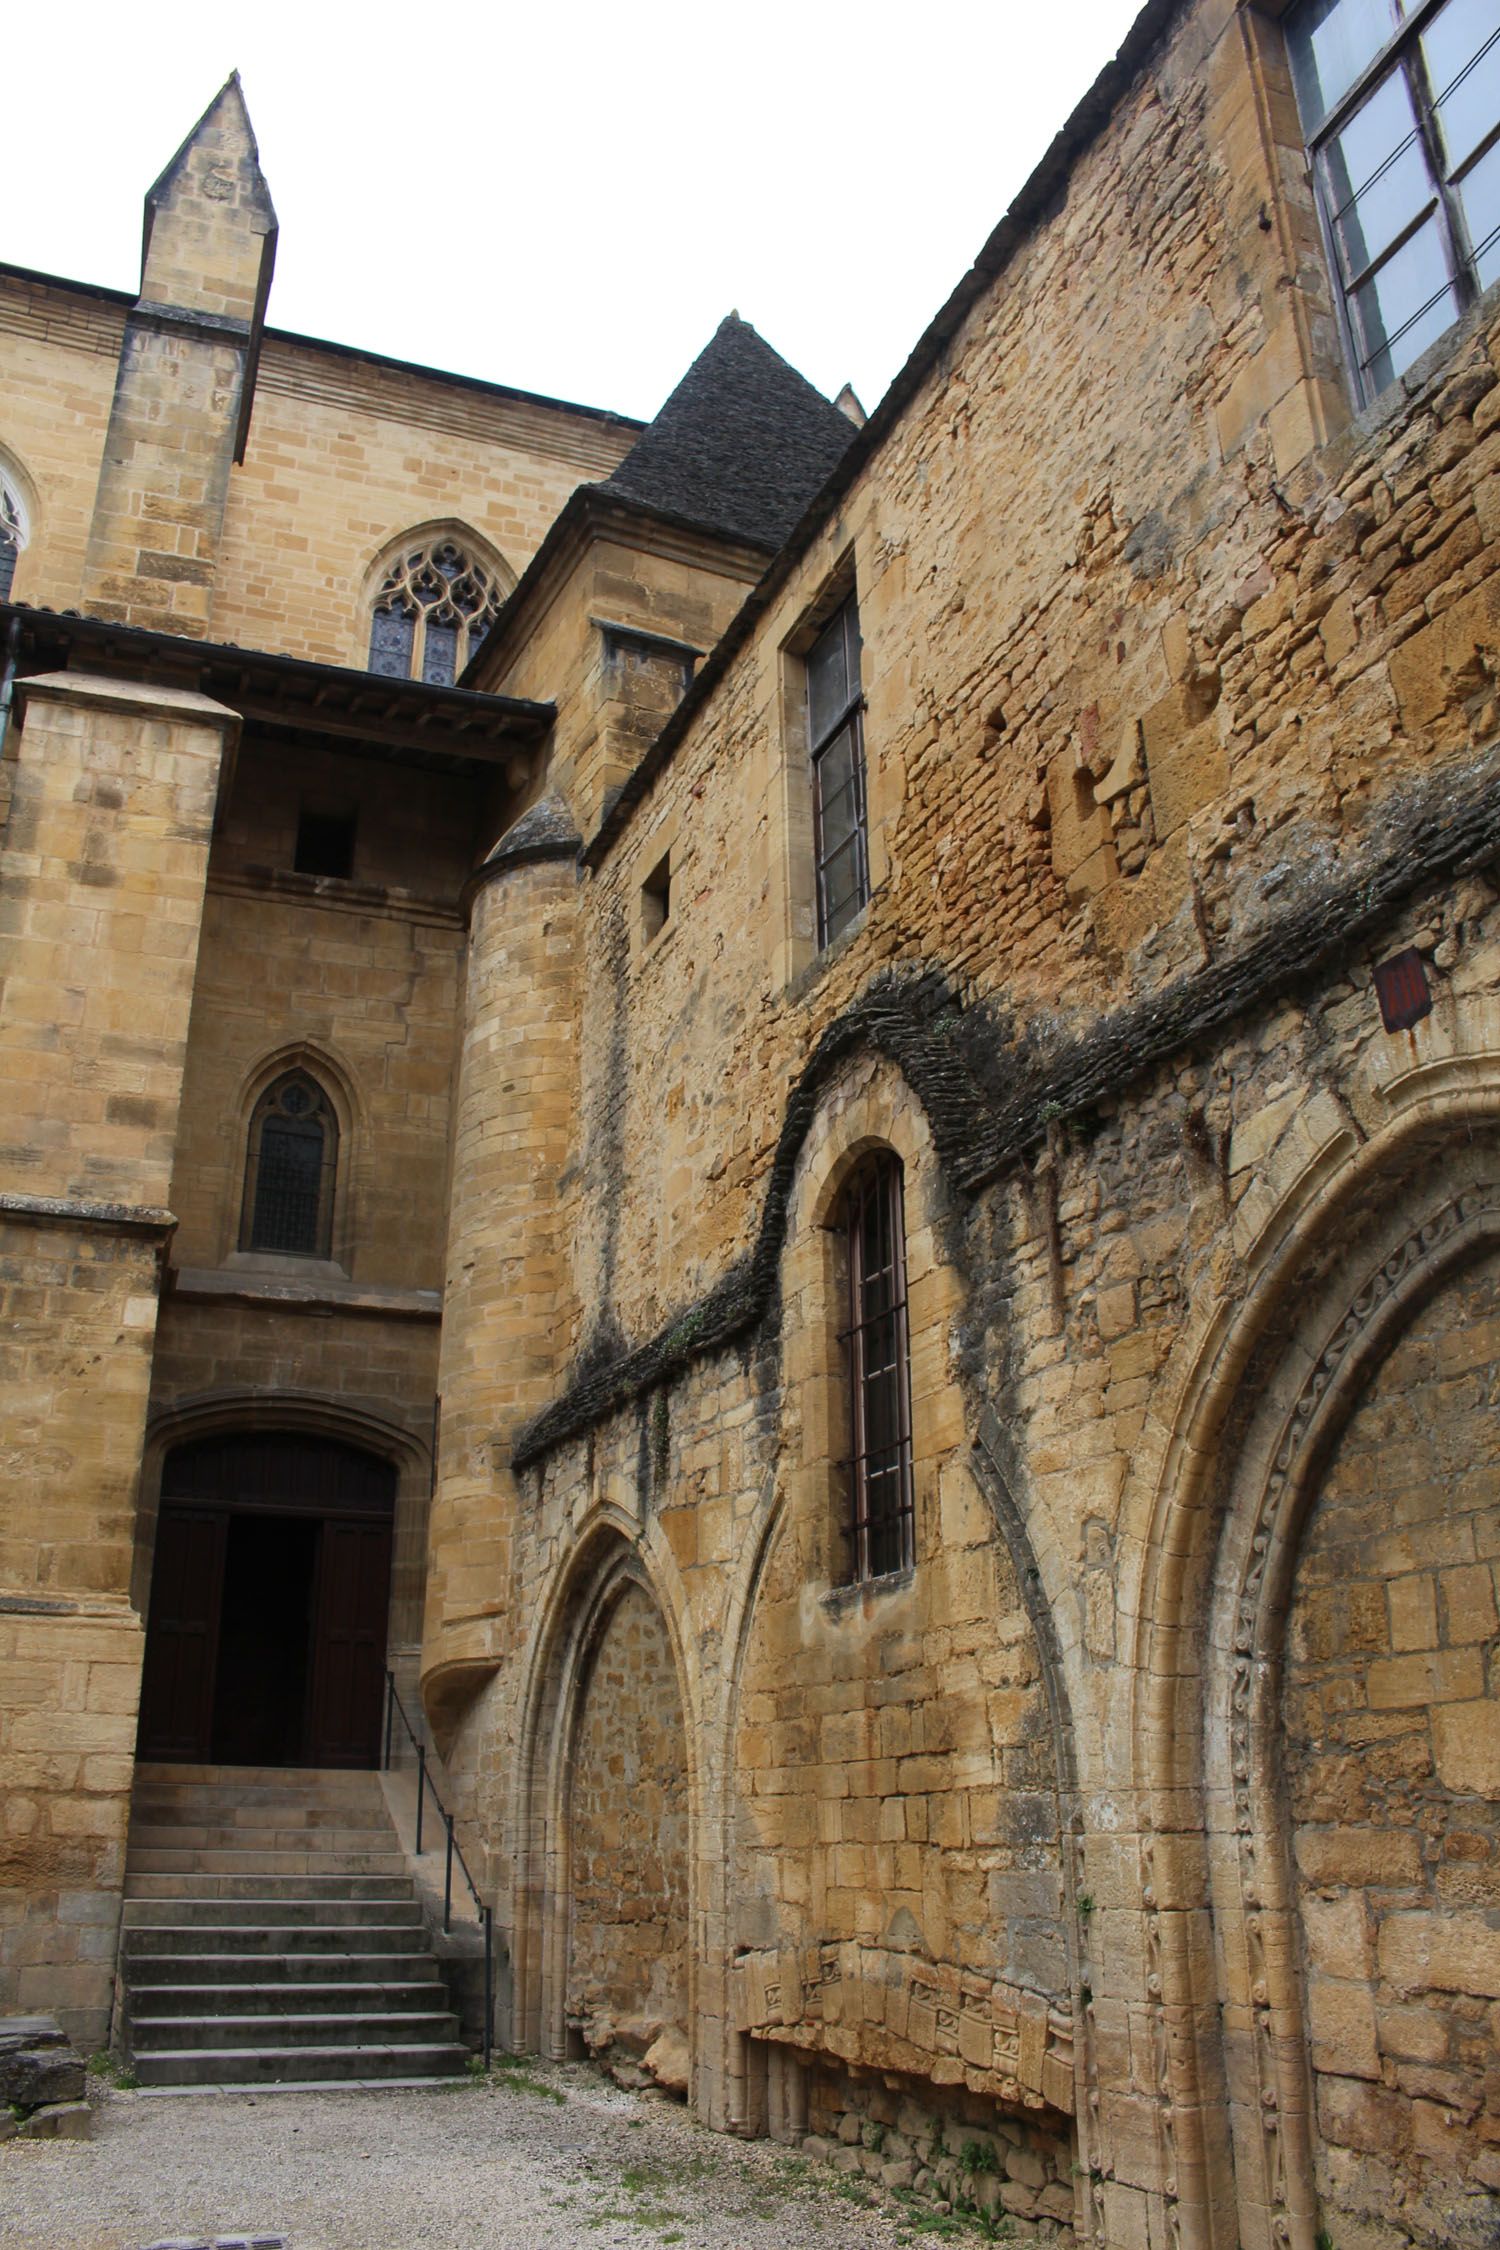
<point x="1393" y="1769"/>
<point x="628" y="1837"/>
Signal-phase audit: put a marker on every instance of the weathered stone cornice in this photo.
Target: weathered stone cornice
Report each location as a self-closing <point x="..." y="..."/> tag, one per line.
<point x="69" y="1211"/>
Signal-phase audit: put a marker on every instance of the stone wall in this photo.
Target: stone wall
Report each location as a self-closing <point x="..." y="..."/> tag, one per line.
<point x="345" y="454"/>
<point x="1392" y="1772"/>
<point x="1179" y="718"/>
<point x="359" y="979"/>
<point x="106" y="853"/>
<point x="628" y="1833"/>
<point x="946" y="2149"/>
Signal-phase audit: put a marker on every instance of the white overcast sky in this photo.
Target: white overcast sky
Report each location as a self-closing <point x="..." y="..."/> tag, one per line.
<point x="567" y="198"/>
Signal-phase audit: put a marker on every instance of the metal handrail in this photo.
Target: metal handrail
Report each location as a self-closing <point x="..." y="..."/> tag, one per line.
<point x="393" y="1705"/>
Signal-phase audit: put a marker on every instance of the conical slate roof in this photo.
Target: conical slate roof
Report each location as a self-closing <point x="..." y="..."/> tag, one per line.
<point x="741" y="446"/>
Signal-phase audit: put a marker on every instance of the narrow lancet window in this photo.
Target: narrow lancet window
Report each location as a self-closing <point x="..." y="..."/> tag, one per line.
<point x="835" y="711"/>
<point x="290" y="1168"/>
<point x="880" y="1372"/>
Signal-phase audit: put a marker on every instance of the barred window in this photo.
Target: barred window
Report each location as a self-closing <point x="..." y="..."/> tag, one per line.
<point x="835" y="725"/>
<point x="1400" y="105"/>
<point x="12" y="536"/>
<point x="290" y="1167"/>
<point x="879" y="1372"/>
<point x="431" y="614"/>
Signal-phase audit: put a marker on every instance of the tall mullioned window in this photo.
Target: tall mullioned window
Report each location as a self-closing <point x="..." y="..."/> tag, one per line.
<point x="835" y="724"/>
<point x="290" y="1167"/>
<point x="434" y="609"/>
<point x="1400" y="105"/>
<point x="884" y="1528"/>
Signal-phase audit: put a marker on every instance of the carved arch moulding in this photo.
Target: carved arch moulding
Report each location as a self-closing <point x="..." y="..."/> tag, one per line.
<point x="1256" y="1427"/>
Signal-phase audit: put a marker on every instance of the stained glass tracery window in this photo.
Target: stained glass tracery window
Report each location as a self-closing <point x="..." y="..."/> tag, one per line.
<point x="432" y="612"/>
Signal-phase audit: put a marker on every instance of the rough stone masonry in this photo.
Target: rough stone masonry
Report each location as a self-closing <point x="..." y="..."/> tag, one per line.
<point x="1123" y="1860"/>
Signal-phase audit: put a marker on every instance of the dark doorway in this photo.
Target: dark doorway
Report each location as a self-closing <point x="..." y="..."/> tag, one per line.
<point x="260" y="1691"/>
<point x="269" y="1602"/>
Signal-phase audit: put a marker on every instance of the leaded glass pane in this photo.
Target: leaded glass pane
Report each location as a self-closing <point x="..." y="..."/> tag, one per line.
<point x="838" y="794"/>
<point x="1404" y="306"/>
<point x="827" y="678"/>
<point x="391" y="638"/>
<point x="440" y="654"/>
<point x="839" y="812"/>
<point x="9" y="552"/>
<point x="1377" y="175"/>
<point x="289" y="1178"/>
<point x="1462" y="49"/>
<point x="843" y="890"/>
<point x="1330" y="42"/>
<point x="288" y="1183"/>
<point x="1480" y="196"/>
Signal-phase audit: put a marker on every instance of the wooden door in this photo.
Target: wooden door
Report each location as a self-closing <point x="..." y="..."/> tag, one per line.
<point x="187" y="1587"/>
<point x="349" y="1637"/>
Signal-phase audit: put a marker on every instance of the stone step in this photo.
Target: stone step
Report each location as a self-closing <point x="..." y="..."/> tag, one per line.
<point x="264" y="1808"/>
<point x="251" y="1909"/>
<point x="152" y="2035"/>
<point x="287" y="1782"/>
<point x="222" y="1968"/>
<point x="256" y="1940"/>
<point x="269" y="1835"/>
<point x="272" y="1935"/>
<point x="414" y="1996"/>
<point x="251" y="2066"/>
<point x="328" y="1874"/>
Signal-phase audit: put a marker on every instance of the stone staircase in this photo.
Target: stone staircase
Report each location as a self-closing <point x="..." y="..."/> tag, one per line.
<point x="272" y="1935"/>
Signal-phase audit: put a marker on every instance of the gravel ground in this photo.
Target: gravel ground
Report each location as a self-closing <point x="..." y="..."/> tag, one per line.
<point x="540" y="2158"/>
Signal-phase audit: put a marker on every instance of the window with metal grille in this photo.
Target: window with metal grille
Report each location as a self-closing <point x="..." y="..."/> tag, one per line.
<point x="434" y="609"/>
<point x="290" y="1168"/>
<point x="880" y="1483"/>
<point x="1400" y="106"/>
<point x="835" y="726"/>
<point x="12" y="537"/>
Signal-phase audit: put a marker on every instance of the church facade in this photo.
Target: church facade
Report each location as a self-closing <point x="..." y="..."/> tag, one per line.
<point x="804" y="1115"/>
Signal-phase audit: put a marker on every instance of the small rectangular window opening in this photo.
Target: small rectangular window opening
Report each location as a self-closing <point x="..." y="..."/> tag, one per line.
<point x="656" y="899"/>
<point x="325" y="845"/>
<point x="835" y="726"/>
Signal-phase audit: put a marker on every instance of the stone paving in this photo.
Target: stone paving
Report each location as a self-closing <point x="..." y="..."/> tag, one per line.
<point x="536" y="2158"/>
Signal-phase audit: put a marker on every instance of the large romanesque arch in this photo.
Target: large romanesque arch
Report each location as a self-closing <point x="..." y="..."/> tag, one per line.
<point x="1295" y="1734"/>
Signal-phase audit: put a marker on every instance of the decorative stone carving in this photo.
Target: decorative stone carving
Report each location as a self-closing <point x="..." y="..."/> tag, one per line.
<point x="894" y="2012"/>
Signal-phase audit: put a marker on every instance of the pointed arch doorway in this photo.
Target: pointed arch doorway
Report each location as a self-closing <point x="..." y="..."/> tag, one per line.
<point x="270" y="1596"/>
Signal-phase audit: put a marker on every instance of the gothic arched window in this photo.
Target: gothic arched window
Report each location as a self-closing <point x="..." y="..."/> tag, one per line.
<point x="290" y="1165"/>
<point x="432" y="612"/>
<point x="12" y="535"/>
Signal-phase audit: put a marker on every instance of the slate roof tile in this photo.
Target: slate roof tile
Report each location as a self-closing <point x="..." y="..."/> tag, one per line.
<point x="742" y="445"/>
